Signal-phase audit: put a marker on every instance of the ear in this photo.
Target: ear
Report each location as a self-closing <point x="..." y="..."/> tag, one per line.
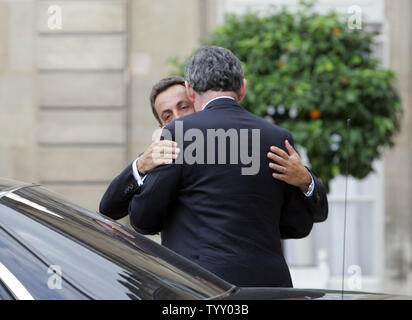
<point x="242" y="90"/>
<point x="190" y="92"/>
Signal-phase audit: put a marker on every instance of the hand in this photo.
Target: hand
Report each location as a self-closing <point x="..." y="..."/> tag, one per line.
<point x="159" y="153"/>
<point x="289" y="167"/>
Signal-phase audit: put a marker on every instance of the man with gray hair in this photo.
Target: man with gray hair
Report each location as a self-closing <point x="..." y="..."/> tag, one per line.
<point x="217" y="204"/>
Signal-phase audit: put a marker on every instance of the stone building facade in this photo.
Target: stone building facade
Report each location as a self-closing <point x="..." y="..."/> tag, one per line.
<point x="75" y="101"/>
<point x="74" y="107"/>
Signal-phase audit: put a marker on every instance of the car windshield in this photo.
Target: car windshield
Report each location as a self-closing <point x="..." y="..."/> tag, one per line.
<point x="100" y="257"/>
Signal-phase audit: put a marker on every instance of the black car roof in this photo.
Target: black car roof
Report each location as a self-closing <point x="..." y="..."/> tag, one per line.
<point x="128" y="250"/>
<point x="7" y="185"/>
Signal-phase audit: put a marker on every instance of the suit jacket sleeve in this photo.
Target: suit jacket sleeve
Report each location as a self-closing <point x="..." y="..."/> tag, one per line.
<point x="149" y="207"/>
<point x="116" y="199"/>
<point x="300" y="212"/>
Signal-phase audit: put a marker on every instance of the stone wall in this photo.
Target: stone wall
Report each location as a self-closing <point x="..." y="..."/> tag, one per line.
<point x="81" y="97"/>
<point x="18" y="117"/>
<point x="75" y="101"/>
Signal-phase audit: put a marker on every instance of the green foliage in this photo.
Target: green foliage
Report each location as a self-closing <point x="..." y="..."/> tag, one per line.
<point x="310" y="73"/>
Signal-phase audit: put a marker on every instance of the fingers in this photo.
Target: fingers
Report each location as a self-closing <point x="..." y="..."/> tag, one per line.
<point x="164" y="144"/>
<point x="281" y="158"/>
<point x="159" y="153"/>
<point x="164" y="152"/>
<point x="277" y="158"/>
<point x="165" y="147"/>
<point x="277" y="167"/>
<point x="279" y="176"/>
<point x="281" y="153"/>
<point x="161" y="161"/>
<point x="289" y="147"/>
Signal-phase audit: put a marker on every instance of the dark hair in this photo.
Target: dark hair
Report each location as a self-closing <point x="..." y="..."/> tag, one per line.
<point x="214" y="68"/>
<point x="161" y="86"/>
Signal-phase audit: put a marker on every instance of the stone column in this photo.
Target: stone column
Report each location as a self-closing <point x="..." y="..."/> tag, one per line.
<point x="398" y="161"/>
<point x="159" y="30"/>
<point x="18" y="123"/>
<point x="81" y="103"/>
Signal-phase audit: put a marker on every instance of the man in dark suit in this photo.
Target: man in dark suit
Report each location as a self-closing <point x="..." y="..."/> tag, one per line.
<point x="168" y="101"/>
<point x="217" y="205"/>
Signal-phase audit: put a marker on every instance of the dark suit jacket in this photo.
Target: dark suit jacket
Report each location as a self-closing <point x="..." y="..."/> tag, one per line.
<point x="229" y="223"/>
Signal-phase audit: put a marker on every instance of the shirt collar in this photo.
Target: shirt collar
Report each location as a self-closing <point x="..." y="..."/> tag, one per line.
<point x="227" y="97"/>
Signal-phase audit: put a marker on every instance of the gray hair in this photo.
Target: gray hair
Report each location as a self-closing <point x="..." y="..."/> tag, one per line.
<point x="214" y="68"/>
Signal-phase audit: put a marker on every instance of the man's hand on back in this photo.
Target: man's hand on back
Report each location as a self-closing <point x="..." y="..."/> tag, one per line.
<point x="289" y="167"/>
<point x="159" y="153"/>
